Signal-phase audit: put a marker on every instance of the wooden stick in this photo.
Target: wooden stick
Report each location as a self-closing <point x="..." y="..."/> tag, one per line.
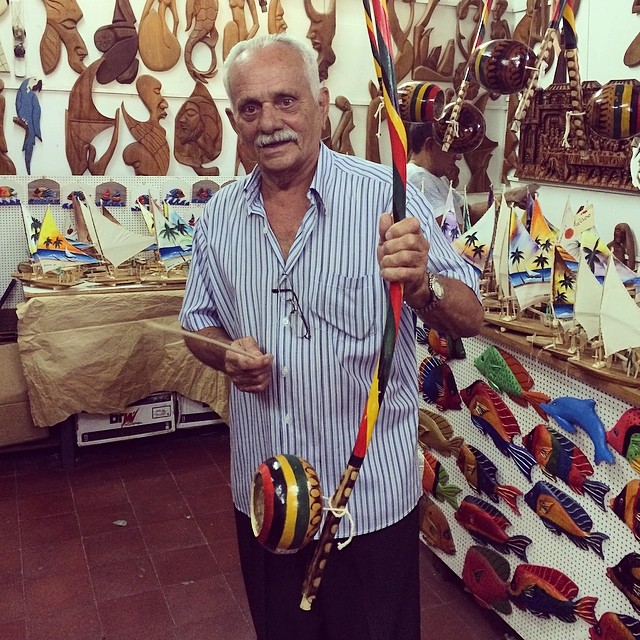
<point x="198" y="336"/>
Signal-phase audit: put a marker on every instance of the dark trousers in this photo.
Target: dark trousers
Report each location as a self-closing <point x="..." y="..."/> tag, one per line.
<point x="370" y="590"/>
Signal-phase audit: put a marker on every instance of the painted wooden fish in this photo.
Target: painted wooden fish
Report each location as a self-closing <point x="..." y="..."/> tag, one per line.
<point x="563" y="515"/>
<point x="624" y="437"/>
<point x="547" y="592"/>
<point x="487" y="525"/>
<point x="615" y="626"/>
<point x="492" y="417"/>
<point x="435" y="480"/>
<point x="558" y="457"/>
<point x="485" y="574"/>
<point x="626" y="505"/>
<point x="570" y="413"/>
<point x="506" y="375"/>
<point x="437" y="384"/>
<point x="435" y="432"/>
<point x="435" y="526"/>
<point x="440" y="344"/>
<point x="481" y="475"/>
<point x="626" y="576"/>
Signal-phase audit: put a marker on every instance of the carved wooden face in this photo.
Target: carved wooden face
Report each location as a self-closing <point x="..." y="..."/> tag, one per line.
<point x="63" y="17"/>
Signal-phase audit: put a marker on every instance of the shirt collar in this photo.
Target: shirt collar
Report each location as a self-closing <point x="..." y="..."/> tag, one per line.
<point x="321" y="184"/>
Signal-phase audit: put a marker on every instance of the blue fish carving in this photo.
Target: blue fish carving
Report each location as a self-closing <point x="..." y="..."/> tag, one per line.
<point x="570" y="413"/>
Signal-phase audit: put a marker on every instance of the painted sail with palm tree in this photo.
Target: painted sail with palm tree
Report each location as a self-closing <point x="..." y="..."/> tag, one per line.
<point x="449" y="223"/>
<point x="117" y="243"/>
<point x="588" y="299"/>
<point x="529" y="267"/>
<point x="32" y="228"/>
<point x="54" y="252"/>
<point x="475" y="244"/>
<point x="597" y="255"/>
<point x="619" y="314"/>
<point x="173" y="237"/>
<point x="563" y="283"/>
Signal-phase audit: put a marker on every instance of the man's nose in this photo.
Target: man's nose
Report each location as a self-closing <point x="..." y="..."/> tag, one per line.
<point x="269" y="118"/>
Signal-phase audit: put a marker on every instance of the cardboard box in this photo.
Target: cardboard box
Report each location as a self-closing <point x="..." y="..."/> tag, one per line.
<point x="192" y="413"/>
<point x="16" y="425"/>
<point x="154" y="415"/>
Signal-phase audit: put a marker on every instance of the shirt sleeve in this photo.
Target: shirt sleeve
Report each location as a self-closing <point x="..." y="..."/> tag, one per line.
<point x="443" y="259"/>
<point x="199" y="309"/>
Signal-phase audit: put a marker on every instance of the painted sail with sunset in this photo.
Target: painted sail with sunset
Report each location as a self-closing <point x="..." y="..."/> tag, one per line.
<point x="563" y="283"/>
<point x="54" y="252"/>
<point x="475" y="245"/>
<point x="529" y="272"/>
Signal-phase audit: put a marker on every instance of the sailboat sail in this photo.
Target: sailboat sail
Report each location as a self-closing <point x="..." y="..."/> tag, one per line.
<point x="117" y="243"/>
<point x="169" y="236"/>
<point x="32" y="229"/>
<point x="474" y="245"/>
<point x="449" y="224"/>
<point x="54" y="251"/>
<point x="528" y="271"/>
<point x="563" y="283"/>
<point x="588" y="299"/>
<point x="619" y="314"/>
<point x="501" y="252"/>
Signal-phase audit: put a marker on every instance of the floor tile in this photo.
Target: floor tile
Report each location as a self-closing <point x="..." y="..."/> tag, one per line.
<point x="124" y="578"/>
<point x="199" y="478"/>
<point x="13" y="630"/>
<point x="10" y="534"/>
<point x="10" y="566"/>
<point x="217" y="527"/>
<point x="140" y="488"/>
<point x="12" y="601"/>
<point x="40" y="505"/>
<point x="103" y="519"/>
<point x="55" y="593"/>
<point x="172" y="534"/>
<point x="8" y="509"/>
<point x="102" y="494"/>
<point x="50" y="530"/>
<point x="235" y="628"/>
<point x="120" y="544"/>
<point x="210" y="500"/>
<point x="80" y="623"/>
<point x="185" y="565"/>
<point x="39" y="482"/>
<point x="54" y="559"/>
<point x="159" y="508"/>
<point x="7" y="487"/>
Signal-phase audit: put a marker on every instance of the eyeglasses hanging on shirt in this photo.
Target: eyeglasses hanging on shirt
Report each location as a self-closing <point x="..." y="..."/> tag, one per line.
<point x="296" y="317"/>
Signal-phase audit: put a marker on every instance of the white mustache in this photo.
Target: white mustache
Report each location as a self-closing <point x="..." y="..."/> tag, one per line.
<point x="282" y="135"/>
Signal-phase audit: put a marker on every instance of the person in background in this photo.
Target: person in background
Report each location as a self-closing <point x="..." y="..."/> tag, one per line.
<point x="291" y="265"/>
<point x="430" y="169"/>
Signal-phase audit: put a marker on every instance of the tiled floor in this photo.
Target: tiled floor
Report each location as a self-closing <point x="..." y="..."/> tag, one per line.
<point x="137" y="542"/>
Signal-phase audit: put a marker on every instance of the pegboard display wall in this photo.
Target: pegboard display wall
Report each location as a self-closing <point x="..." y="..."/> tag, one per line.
<point x="582" y="566"/>
<point x="13" y="242"/>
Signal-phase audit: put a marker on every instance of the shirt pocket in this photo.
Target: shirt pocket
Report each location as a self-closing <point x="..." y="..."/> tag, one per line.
<point x="347" y="305"/>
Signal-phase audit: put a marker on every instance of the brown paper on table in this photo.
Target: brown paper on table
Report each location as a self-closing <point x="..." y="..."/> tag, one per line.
<point x="95" y="353"/>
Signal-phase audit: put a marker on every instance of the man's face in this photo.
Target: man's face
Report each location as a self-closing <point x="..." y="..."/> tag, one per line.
<point x="271" y="97"/>
<point x="189" y="123"/>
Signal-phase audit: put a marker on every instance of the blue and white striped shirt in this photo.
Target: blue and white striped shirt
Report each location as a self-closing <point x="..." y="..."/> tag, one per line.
<point x="319" y="386"/>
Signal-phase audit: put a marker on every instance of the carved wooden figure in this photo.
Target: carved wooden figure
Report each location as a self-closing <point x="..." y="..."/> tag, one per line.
<point x="623" y="245"/>
<point x="236" y="30"/>
<point x="28" y="110"/>
<point x="376" y="113"/>
<point x="341" y="141"/>
<point x="499" y="26"/>
<point x="6" y="164"/>
<point x="83" y="122"/>
<point x="202" y="15"/>
<point x="198" y="132"/>
<point x="149" y="155"/>
<point x="632" y="54"/>
<point x="62" y="22"/>
<point x="403" y="61"/>
<point x="275" y="18"/>
<point x="159" y="46"/>
<point x="118" y="42"/>
<point x="321" y="33"/>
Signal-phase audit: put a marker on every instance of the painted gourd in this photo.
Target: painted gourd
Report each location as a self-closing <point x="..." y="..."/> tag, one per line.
<point x="471" y="128"/>
<point x="420" y="101"/>
<point x="286" y="503"/>
<point x="502" y="66"/>
<point x="614" y="110"/>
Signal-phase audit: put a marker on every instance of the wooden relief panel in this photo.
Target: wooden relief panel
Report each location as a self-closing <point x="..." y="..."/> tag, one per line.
<point x="321" y="33"/>
<point x="202" y="15"/>
<point x="62" y="22"/>
<point x="159" y="47"/>
<point x="541" y="157"/>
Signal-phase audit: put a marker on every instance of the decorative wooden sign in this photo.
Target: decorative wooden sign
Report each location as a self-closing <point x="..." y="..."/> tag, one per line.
<point x="198" y="132"/>
<point x="62" y="21"/>
<point x="202" y="15"/>
<point x="158" y="45"/>
<point x="149" y="155"/>
<point x="604" y="163"/>
<point x="118" y="42"/>
<point x="83" y="122"/>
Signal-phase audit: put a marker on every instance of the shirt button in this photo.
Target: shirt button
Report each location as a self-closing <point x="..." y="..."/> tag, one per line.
<point x="285" y="372"/>
<point x="286" y="418"/>
<point x="265" y="229"/>
<point x="285" y="322"/>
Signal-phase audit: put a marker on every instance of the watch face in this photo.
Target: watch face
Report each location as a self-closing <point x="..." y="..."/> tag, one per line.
<point x="437" y="288"/>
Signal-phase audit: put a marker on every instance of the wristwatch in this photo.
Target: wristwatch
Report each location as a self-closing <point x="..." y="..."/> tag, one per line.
<point x="436" y="289"/>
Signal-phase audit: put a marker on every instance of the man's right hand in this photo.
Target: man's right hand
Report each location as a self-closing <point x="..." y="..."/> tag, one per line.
<point x="250" y="373"/>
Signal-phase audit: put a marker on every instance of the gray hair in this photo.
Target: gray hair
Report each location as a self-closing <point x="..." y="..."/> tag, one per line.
<point x="305" y="51"/>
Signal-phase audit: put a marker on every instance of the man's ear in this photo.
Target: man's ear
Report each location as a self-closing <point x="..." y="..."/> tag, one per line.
<point x="232" y="119"/>
<point x="430" y="145"/>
